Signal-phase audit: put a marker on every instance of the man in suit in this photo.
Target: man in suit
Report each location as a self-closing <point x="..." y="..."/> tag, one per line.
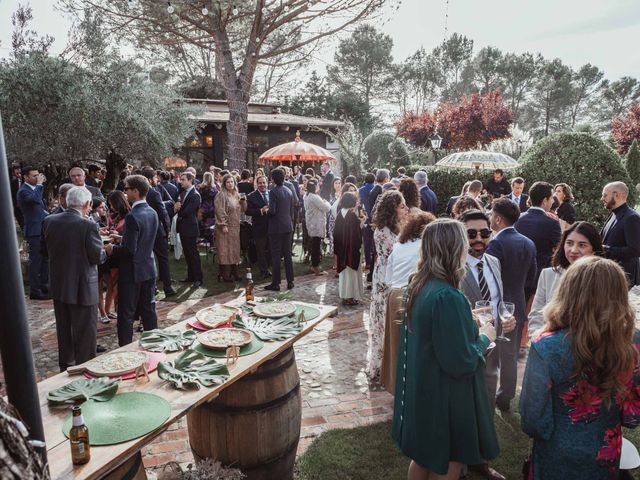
<point x="77" y="176"/>
<point x="187" y="226"/>
<point x="517" y="256"/>
<point x="72" y="243"/>
<point x="168" y="185"/>
<point x="428" y="198"/>
<point x="327" y="181"/>
<point x="34" y="210"/>
<point x="540" y="228"/>
<point x="280" y="229"/>
<point x="621" y="232"/>
<point x="516" y="195"/>
<point x="137" y="270"/>
<point x="161" y="245"/>
<point x="93" y="178"/>
<point x="257" y="209"/>
<point x="483" y="281"/>
<point x="15" y="183"/>
<point x="62" y="197"/>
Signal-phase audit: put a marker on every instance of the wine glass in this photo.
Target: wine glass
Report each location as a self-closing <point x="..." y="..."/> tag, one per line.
<point x="505" y="313"/>
<point x="483" y="312"/>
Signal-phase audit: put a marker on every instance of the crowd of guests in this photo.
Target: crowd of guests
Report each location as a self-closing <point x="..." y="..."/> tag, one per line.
<point x="541" y="273"/>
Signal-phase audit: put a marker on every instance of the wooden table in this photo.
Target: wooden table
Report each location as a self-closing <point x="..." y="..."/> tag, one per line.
<point x="106" y="458"/>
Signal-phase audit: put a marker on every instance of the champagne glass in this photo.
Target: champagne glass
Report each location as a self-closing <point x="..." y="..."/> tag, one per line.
<point x="505" y="313"/>
<point x="483" y="312"/>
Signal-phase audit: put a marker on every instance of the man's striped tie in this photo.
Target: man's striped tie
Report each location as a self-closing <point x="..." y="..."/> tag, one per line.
<point x="482" y="283"/>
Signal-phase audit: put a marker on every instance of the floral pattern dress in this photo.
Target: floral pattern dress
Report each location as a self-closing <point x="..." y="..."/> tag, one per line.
<point x="576" y="435"/>
<point x="383" y="239"/>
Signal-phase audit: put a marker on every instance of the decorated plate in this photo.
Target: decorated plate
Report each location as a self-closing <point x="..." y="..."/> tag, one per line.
<point x="223" y="338"/>
<point x="116" y="363"/>
<point x="216" y="315"/>
<point x="274" y="309"/>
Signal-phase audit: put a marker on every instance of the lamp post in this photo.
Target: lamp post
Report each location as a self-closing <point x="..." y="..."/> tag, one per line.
<point x="436" y="141"/>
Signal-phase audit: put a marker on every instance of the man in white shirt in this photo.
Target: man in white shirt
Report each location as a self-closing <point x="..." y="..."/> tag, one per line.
<point x="516" y="195"/>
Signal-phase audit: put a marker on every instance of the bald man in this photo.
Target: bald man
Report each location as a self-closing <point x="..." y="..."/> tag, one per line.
<point x="621" y="232"/>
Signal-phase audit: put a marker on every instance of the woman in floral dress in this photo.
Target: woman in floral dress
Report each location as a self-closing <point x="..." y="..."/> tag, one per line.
<point x="390" y="213"/>
<point x="581" y="383"/>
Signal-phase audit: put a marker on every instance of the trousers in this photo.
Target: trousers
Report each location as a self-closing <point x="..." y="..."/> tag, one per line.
<point x="76" y="330"/>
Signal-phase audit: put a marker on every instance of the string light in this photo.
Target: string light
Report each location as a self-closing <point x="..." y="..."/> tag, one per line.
<point x="235" y="10"/>
<point x="170" y="8"/>
<point x="205" y="11"/>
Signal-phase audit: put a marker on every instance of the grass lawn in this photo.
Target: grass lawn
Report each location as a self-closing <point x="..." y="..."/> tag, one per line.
<point x="211" y="286"/>
<point x="368" y="453"/>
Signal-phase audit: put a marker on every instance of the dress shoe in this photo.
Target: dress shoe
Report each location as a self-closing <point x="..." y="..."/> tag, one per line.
<point x="39" y="296"/>
<point x="101" y="348"/>
<point x="170" y="293"/>
<point x="487" y="472"/>
<point x="196" y="284"/>
<point x="273" y="288"/>
<point x="290" y="286"/>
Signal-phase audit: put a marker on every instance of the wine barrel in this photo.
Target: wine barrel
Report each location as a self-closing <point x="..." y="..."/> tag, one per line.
<point x="132" y="469"/>
<point x="254" y="424"/>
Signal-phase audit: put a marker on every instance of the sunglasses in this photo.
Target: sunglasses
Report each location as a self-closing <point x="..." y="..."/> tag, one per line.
<point x="473" y="233"/>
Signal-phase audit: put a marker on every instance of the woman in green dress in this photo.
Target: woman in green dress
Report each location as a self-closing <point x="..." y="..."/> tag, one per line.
<point x="442" y="416"/>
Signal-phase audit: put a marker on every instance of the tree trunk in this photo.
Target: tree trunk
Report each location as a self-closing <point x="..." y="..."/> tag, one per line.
<point x="237" y="134"/>
<point x="115" y="163"/>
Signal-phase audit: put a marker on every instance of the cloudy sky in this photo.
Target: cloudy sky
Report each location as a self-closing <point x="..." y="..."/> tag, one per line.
<point x="600" y="32"/>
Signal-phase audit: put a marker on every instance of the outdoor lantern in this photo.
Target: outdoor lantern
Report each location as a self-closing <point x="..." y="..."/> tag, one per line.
<point x="436" y="141"/>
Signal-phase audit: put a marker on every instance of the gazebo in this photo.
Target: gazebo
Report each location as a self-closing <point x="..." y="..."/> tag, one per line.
<point x="478" y="160"/>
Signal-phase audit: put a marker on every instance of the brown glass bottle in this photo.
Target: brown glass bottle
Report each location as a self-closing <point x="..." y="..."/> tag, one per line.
<point x="79" y="438"/>
<point x="248" y="289"/>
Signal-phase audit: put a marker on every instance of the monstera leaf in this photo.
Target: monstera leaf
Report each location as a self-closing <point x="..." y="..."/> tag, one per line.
<point x="100" y="389"/>
<point x="270" y="329"/>
<point x="190" y="369"/>
<point x="166" y="340"/>
<point x="279" y="297"/>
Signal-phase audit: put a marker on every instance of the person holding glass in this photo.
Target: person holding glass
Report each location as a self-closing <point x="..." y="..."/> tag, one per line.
<point x="229" y="204"/>
<point x="580" y="240"/>
<point x="442" y="415"/>
<point x="566" y="213"/>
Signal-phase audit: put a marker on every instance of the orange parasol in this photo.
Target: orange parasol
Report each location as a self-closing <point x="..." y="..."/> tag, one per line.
<point x="174" y="162"/>
<point x="296" y="151"/>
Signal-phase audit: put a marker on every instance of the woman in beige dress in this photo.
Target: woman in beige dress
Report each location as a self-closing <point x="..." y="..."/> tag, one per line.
<point x="229" y="205"/>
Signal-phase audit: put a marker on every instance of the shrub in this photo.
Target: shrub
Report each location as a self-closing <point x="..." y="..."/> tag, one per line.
<point x="581" y="160"/>
<point x="632" y="163"/>
<point x="385" y="150"/>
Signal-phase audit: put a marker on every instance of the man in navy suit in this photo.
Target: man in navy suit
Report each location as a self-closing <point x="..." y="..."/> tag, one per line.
<point x="540" y="228"/>
<point x="257" y="209"/>
<point x="517" y="255"/>
<point x="168" y="185"/>
<point x="428" y="198"/>
<point x="34" y="210"/>
<point x="516" y="195"/>
<point x="327" y="181"/>
<point x="161" y="246"/>
<point x="621" y="232"/>
<point x="187" y="226"/>
<point x="280" y="229"/>
<point x="137" y="270"/>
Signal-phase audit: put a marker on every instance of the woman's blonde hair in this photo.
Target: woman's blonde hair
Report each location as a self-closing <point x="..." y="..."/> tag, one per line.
<point x="223" y="187"/>
<point x="442" y="256"/>
<point x="592" y="301"/>
<point x="207" y="179"/>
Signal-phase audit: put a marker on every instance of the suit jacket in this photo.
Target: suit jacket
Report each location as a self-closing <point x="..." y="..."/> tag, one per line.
<point x="154" y="199"/>
<point x="95" y="191"/>
<point x="545" y="233"/>
<point x="622" y="241"/>
<point x="517" y="256"/>
<point x="259" y="222"/>
<point x="451" y="202"/>
<point x="523" y="201"/>
<point x="73" y="245"/>
<point x="58" y="210"/>
<point x="187" y="224"/>
<point x="135" y="252"/>
<point x="167" y="199"/>
<point x="280" y="210"/>
<point x="470" y="286"/>
<point x="327" y="185"/>
<point x="375" y="192"/>
<point x="171" y="189"/>
<point x="428" y="200"/>
<point x="33" y="209"/>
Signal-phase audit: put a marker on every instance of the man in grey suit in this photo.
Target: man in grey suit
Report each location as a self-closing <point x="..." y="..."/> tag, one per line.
<point x="483" y="281"/>
<point x="75" y="250"/>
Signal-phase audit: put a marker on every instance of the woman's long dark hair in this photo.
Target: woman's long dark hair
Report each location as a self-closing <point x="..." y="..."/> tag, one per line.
<point x="560" y="260"/>
<point x="118" y="203"/>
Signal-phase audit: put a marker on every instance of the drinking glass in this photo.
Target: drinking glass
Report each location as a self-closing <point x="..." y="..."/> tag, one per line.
<point x="483" y="312"/>
<point x="505" y="313"/>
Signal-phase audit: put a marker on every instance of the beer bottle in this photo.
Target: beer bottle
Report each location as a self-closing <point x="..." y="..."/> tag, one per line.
<point x="248" y="289"/>
<point x="79" y="437"/>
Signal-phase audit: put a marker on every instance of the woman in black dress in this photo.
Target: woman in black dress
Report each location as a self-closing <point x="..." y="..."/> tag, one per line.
<point x="565" y="212"/>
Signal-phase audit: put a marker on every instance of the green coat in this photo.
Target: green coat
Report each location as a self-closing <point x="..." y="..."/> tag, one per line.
<point x="441" y="412"/>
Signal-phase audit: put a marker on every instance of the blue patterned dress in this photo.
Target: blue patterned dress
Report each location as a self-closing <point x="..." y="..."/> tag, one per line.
<point x="575" y="435"/>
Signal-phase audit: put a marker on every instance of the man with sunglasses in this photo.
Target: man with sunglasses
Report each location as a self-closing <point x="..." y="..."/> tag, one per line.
<point x="483" y="281"/>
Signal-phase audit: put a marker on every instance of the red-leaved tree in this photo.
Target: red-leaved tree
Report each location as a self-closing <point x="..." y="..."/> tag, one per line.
<point x="625" y="129"/>
<point x="475" y="121"/>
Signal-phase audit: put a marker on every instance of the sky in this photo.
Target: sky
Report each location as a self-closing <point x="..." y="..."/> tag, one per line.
<point x="601" y="32"/>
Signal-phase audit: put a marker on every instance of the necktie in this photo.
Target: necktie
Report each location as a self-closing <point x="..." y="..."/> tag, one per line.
<point x="264" y="195"/>
<point x="182" y="196"/>
<point x="482" y="283"/>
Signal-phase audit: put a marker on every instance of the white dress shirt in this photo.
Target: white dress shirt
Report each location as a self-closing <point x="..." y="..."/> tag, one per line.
<point x="402" y="262"/>
<point x="492" y="283"/>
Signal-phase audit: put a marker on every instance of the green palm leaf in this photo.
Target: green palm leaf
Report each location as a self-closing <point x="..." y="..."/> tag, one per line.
<point x="192" y="369"/>
<point x="100" y="389"/>
<point x="270" y="329"/>
<point x="167" y="340"/>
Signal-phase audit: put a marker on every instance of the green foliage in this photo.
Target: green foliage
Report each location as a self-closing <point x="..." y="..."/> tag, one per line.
<point x="632" y="163"/>
<point x="269" y="329"/>
<point x="384" y="150"/>
<point x="166" y="340"/>
<point x="582" y="161"/>
<point x="448" y="182"/>
<point x="190" y="369"/>
<point x="100" y="389"/>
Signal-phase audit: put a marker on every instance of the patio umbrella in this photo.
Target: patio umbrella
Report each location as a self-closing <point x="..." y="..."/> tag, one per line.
<point x="478" y="159"/>
<point x="296" y="151"/>
<point x="175" y="162"/>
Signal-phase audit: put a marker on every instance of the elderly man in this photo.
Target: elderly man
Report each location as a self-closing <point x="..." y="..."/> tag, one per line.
<point x="78" y="177"/>
<point x="75" y="250"/>
<point x="428" y="198"/>
<point x="621" y="232"/>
